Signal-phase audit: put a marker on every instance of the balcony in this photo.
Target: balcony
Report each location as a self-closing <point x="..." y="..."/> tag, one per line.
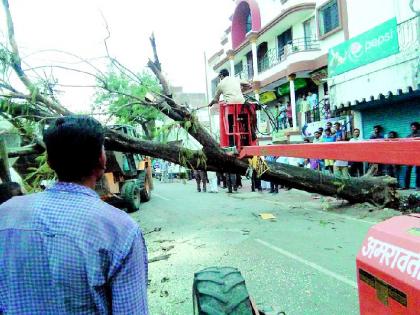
<point x="409" y="34"/>
<point x="274" y="57"/>
<point x="247" y="72"/>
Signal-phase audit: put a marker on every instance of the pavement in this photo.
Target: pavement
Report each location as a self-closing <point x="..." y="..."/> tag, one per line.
<point x="303" y="262"/>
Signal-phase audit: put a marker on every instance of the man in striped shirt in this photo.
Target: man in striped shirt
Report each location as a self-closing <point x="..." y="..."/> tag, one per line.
<point x="64" y="251"/>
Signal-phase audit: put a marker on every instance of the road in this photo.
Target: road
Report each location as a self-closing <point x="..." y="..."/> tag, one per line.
<point x="301" y="263"/>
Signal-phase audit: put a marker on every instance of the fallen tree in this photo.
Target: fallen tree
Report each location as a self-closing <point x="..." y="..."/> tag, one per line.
<point x="38" y="107"/>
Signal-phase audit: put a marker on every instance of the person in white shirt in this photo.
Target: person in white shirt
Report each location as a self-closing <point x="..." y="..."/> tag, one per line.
<point x="231" y="88"/>
<point x="356" y="168"/>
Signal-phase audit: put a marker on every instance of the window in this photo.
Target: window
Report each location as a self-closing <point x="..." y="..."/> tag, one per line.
<point x="262" y="57"/>
<point x="248" y="26"/>
<point x="238" y="68"/>
<point x="329" y="17"/>
<point x="284" y="39"/>
<point x="249" y="65"/>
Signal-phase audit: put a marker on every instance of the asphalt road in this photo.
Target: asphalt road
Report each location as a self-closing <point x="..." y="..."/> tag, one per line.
<point x="301" y="263"/>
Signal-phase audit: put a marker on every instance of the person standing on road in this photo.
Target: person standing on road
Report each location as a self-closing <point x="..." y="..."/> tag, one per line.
<point x="356" y="168"/>
<point x="274" y="187"/>
<point x="231" y="182"/>
<point x="415" y="133"/>
<point x="64" y="250"/>
<point x="255" y="180"/>
<point x="328" y="137"/>
<point x="212" y="178"/>
<point x="200" y="177"/>
<point x="392" y="169"/>
<point x="377" y="133"/>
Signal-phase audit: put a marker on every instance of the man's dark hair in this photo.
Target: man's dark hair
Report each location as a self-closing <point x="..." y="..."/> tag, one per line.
<point x="9" y="190"/>
<point x="337" y="123"/>
<point x="321" y="129"/>
<point x="328" y="130"/>
<point x="356" y="129"/>
<point x="392" y="134"/>
<point x="415" y="124"/>
<point x="379" y="127"/>
<point x="224" y="73"/>
<point x="74" y="145"/>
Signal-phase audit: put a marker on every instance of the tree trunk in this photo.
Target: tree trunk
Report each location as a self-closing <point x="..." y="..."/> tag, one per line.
<point x="376" y="190"/>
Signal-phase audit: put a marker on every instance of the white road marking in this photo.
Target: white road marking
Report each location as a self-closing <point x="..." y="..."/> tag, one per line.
<point x="330" y="213"/>
<point x="327" y="272"/>
<point x="161" y="197"/>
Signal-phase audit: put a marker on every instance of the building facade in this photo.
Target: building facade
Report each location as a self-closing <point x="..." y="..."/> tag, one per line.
<point x="285" y="47"/>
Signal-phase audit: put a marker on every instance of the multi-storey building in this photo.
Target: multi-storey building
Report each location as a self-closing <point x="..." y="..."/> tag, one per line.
<point x="285" y="47"/>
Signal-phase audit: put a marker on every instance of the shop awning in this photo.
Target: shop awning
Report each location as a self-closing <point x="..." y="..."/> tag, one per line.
<point x="285" y="88"/>
<point x="382" y="100"/>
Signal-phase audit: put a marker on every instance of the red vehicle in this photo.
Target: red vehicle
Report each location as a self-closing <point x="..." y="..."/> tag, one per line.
<point x="388" y="263"/>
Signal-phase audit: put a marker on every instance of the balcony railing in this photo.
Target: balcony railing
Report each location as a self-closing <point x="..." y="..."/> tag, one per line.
<point x="275" y="56"/>
<point x="409" y="33"/>
<point x="247" y="72"/>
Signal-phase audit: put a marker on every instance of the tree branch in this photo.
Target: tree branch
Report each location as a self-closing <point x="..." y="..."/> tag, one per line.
<point x="17" y="65"/>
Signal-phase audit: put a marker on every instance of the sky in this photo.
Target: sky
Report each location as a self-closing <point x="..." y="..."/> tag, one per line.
<point x="184" y="30"/>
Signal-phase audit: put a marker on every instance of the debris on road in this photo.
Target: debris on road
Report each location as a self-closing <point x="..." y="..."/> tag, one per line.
<point x="164" y="241"/>
<point x="158" y="258"/>
<point x="164" y="279"/>
<point x="156" y="229"/>
<point x="267" y="216"/>
<point x="168" y="248"/>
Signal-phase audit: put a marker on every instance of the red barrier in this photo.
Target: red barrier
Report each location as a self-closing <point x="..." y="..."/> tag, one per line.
<point x="395" y="151"/>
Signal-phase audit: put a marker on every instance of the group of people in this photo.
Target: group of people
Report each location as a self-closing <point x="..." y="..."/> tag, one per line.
<point x="307" y="109"/>
<point x="336" y="132"/>
<point x="397" y="170"/>
<point x="168" y="172"/>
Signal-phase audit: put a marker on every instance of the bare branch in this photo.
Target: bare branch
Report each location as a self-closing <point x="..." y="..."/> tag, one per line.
<point x="156" y="62"/>
<point x="17" y="65"/>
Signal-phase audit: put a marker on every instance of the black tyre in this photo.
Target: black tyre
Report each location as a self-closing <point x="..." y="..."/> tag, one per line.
<point x="220" y="291"/>
<point x="130" y="193"/>
<point x="145" y="187"/>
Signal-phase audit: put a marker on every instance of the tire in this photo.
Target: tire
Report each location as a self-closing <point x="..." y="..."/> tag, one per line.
<point x="130" y="193"/>
<point x="145" y="188"/>
<point x="220" y="291"/>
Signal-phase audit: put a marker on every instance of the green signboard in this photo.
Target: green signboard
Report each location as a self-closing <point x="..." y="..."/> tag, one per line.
<point x="377" y="43"/>
<point x="284" y="89"/>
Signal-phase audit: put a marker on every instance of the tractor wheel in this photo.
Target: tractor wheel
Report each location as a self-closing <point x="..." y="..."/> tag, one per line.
<point x="145" y="187"/>
<point x="130" y="193"/>
<point x="220" y="291"/>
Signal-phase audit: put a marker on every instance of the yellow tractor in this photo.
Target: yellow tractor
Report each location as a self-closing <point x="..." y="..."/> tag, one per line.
<point x="128" y="177"/>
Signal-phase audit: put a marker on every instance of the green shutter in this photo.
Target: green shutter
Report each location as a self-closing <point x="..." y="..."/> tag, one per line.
<point x="396" y="118"/>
